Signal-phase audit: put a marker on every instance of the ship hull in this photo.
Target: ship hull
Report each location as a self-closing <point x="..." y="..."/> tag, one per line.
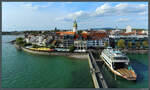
<point x="115" y="71"/>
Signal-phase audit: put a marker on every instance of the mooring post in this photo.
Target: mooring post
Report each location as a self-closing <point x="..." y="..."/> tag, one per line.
<point x="115" y="76"/>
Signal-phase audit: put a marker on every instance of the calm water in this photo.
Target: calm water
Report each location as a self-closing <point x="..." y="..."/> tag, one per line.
<point x="24" y="70"/>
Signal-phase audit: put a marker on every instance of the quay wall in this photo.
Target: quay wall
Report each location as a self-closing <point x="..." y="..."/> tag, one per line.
<point x="95" y="82"/>
<point x="136" y="51"/>
<point x="18" y="47"/>
<point x="72" y="55"/>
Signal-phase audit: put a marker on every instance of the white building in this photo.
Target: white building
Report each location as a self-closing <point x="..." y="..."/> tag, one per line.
<point x="130" y="36"/>
<point x="97" y="43"/>
<point x="38" y="40"/>
<point x="44" y="42"/>
<point x="32" y="39"/>
<point x="128" y="29"/>
<point x="27" y="40"/>
<point x="80" y="44"/>
<point x="145" y="32"/>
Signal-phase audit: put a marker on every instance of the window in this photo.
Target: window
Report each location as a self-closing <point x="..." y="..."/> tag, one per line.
<point x="120" y="58"/>
<point x="118" y="65"/>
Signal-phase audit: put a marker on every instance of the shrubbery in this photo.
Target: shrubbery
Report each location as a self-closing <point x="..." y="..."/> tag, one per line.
<point x="145" y="44"/>
<point x="19" y="41"/>
<point x="121" y="43"/>
<point x="71" y="48"/>
<point x="35" y="46"/>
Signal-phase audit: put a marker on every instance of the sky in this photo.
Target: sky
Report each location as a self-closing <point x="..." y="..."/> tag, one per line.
<point x="19" y="16"/>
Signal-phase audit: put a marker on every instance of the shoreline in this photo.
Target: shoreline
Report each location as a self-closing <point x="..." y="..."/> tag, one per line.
<point x="68" y="54"/>
<point x="135" y="51"/>
<point x="74" y="55"/>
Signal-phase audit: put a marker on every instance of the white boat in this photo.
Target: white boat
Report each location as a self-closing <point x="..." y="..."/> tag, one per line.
<point x="118" y="63"/>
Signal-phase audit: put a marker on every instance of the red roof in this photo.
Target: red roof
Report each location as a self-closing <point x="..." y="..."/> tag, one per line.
<point x="97" y="35"/>
<point x="68" y="32"/>
<point x="129" y="33"/>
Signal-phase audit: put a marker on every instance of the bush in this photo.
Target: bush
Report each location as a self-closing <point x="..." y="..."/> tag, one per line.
<point x="138" y="45"/>
<point x="145" y="44"/>
<point x="19" y="41"/>
<point x="51" y="46"/>
<point x="106" y="44"/>
<point x="121" y="43"/>
<point x="35" y="46"/>
<point x="71" y="48"/>
<point x="27" y="44"/>
<point x="130" y="44"/>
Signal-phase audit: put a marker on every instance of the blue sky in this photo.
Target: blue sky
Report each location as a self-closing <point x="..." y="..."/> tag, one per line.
<point x="17" y="16"/>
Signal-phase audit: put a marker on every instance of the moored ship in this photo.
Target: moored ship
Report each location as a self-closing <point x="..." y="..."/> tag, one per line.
<point x="118" y="63"/>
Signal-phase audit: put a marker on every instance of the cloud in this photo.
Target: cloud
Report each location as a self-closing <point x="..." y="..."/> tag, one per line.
<point x="29" y="6"/>
<point x="143" y="13"/>
<point x="121" y="9"/>
<point x="76" y="15"/>
<point x="109" y="10"/>
<point x="34" y="7"/>
<point x="103" y="9"/>
<point x="123" y="20"/>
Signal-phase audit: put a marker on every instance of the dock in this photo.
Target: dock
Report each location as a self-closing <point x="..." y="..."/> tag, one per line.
<point x="96" y="72"/>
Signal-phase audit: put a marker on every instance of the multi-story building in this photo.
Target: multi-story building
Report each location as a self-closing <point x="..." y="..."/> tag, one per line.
<point x="40" y="40"/>
<point x="128" y="37"/>
<point x="67" y="40"/>
<point x="97" y="43"/>
<point x="67" y="37"/>
<point x="80" y="44"/>
<point x="97" y="39"/>
<point x="128" y="29"/>
<point x="67" y="43"/>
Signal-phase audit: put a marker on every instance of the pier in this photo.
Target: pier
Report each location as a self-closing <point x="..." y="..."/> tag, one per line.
<point x="96" y="72"/>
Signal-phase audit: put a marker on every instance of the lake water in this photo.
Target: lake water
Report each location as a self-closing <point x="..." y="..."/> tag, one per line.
<point x="24" y="70"/>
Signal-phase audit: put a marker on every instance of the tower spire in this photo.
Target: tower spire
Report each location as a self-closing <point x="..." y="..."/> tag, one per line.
<point x="75" y="26"/>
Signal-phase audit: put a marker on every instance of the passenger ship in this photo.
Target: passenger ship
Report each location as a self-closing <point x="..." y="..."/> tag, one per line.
<point x="118" y="63"/>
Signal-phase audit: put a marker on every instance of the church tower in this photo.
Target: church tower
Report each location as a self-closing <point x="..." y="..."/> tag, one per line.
<point x="75" y="26"/>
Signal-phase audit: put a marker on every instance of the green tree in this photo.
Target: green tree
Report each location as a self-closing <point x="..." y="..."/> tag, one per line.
<point x="35" y="46"/>
<point x="121" y="43"/>
<point x="130" y="44"/>
<point x="27" y="44"/>
<point x="138" y="45"/>
<point x="106" y="44"/>
<point x="71" y="48"/>
<point x="145" y="44"/>
<point x="51" y="46"/>
<point x="19" y="41"/>
<point x="79" y="32"/>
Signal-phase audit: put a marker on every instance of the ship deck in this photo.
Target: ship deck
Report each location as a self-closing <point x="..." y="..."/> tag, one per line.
<point x="129" y="74"/>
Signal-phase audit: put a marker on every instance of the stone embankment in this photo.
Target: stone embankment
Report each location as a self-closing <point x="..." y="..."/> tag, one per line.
<point x="136" y="51"/>
<point x="72" y="55"/>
